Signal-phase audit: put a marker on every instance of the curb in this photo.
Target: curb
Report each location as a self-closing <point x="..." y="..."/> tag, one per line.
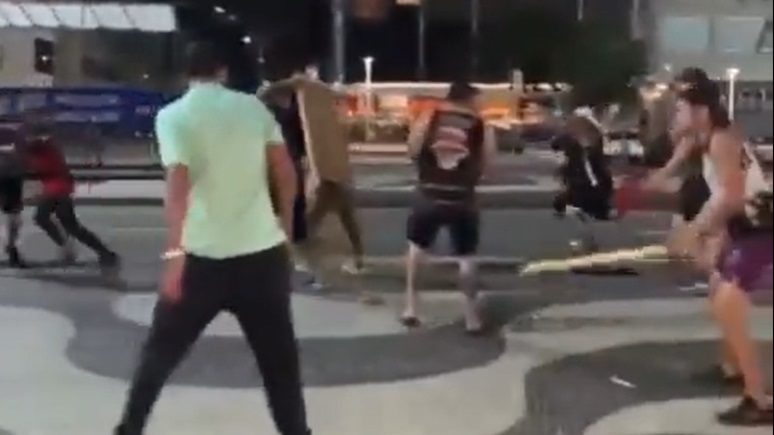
<point x="530" y="200"/>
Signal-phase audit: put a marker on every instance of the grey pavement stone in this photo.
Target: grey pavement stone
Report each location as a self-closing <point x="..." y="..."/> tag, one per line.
<point x="565" y="386"/>
<point x="570" y="394"/>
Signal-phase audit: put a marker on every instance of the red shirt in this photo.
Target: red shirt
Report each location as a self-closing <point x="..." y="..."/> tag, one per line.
<point x="48" y="164"/>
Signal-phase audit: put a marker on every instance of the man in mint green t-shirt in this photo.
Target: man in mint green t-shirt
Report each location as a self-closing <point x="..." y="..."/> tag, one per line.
<point x="225" y="245"/>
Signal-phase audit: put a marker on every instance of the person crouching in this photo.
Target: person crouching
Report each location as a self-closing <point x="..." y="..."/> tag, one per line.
<point x="586" y="178"/>
<point x="47" y="163"/>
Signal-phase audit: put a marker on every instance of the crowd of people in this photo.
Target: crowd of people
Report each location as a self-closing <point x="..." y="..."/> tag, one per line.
<point x="235" y="225"/>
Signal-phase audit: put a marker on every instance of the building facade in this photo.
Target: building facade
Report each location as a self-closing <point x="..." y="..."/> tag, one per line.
<point x="718" y="36"/>
<point x="72" y="44"/>
<point x="712" y="34"/>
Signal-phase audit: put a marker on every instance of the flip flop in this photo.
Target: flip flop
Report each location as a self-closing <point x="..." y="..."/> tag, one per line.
<point x="411" y="322"/>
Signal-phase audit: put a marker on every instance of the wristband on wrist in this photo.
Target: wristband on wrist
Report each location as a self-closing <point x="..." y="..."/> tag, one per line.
<point x="172" y="254"/>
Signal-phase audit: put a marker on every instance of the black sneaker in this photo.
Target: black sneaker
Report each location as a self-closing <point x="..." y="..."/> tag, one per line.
<point x="15" y="259"/>
<point x="747" y="413"/>
<point x="110" y="265"/>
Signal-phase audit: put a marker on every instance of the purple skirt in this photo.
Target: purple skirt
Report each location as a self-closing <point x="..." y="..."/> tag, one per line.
<point x="747" y="260"/>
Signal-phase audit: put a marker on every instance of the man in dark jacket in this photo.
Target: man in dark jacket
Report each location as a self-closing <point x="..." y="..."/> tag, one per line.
<point x="284" y="105"/>
<point x="11" y="188"/>
<point x="47" y="163"/>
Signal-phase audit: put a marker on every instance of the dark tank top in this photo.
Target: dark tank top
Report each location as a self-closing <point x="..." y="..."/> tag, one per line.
<point x="450" y="161"/>
<point x="694" y="191"/>
<point x="11" y="161"/>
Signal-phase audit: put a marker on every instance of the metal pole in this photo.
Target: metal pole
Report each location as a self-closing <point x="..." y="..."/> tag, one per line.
<point x="581" y="12"/>
<point x="474" y="35"/>
<point x="421" y="41"/>
<point x="339" y="40"/>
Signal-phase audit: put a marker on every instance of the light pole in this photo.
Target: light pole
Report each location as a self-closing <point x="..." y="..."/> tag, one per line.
<point x="368" y="64"/>
<point x="581" y="11"/>
<point x="732" y="74"/>
<point x="421" y="40"/>
<point x="474" y="35"/>
<point x="339" y="40"/>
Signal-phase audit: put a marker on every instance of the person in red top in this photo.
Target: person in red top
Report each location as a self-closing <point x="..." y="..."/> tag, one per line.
<point x="47" y="163"/>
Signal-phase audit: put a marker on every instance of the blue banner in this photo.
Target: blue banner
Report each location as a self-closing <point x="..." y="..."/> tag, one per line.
<point x="119" y="110"/>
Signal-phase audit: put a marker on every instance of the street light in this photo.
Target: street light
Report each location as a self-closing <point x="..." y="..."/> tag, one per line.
<point x="368" y="63"/>
<point x="732" y="74"/>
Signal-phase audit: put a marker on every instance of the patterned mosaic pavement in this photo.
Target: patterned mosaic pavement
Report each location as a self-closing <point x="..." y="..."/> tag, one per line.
<point x="576" y="355"/>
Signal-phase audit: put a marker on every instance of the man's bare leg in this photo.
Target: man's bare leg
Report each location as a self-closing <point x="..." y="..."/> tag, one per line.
<point x="410" y="316"/>
<point x="469" y="287"/>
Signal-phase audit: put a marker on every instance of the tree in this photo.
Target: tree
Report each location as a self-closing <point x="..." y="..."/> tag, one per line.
<point x="601" y="65"/>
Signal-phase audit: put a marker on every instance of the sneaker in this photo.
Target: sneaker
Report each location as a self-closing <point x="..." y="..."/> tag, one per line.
<point x="352" y="268"/>
<point x="747" y="413"/>
<point x="110" y="264"/>
<point x="15" y="259"/>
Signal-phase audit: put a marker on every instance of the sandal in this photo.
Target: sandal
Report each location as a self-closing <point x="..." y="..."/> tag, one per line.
<point x="411" y="322"/>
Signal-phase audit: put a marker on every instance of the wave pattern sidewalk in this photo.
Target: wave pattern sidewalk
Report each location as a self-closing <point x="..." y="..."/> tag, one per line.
<point x="574" y="355"/>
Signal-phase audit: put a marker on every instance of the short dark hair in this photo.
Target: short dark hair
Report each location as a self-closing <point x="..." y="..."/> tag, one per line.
<point x="462" y="92"/>
<point x="203" y="59"/>
<point x="692" y="75"/>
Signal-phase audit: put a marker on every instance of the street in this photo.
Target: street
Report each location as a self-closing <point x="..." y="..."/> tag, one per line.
<point x="570" y="354"/>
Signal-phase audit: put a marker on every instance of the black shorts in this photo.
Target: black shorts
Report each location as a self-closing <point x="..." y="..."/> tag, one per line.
<point x="427" y="218"/>
<point x="693" y="193"/>
<point x="11" y="198"/>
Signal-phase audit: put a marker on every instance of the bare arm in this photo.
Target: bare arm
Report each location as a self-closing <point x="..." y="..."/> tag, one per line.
<point x="726" y="155"/>
<point x="176" y="204"/>
<point x="174" y="148"/>
<point x="417" y="134"/>
<point x="490" y="148"/>
<point x="682" y="152"/>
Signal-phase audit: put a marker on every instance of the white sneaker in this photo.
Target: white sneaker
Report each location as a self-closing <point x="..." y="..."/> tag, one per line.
<point x="302" y="268"/>
<point x="350" y="268"/>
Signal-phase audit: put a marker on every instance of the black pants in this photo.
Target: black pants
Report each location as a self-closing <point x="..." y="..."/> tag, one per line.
<point x="256" y="289"/>
<point x="11" y="193"/>
<point x="63" y="208"/>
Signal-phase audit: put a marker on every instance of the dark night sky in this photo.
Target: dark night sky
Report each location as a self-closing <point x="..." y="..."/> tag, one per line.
<point x="297" y="32"/>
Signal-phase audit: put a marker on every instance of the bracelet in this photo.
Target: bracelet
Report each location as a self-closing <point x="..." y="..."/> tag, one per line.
<point x="172" y="254"/>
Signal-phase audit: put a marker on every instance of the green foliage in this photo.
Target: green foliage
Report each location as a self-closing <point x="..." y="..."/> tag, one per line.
<point x="601" y="65"/>
<point x="600" y="61"/>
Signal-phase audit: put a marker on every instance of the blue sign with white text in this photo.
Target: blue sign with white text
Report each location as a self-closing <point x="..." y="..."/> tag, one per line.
<point x="123" y="111"/>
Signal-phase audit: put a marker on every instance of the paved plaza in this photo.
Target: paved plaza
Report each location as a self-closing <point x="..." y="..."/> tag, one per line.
<point x="570" y="354"/>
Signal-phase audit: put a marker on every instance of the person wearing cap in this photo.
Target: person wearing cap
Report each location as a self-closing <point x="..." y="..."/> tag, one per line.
<point x="585" y="175"/>
<point x="452" y="147"/>
<point x="226" y="247"/>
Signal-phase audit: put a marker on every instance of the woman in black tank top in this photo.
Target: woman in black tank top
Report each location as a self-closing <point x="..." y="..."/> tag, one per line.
<point x="744" y="259"/>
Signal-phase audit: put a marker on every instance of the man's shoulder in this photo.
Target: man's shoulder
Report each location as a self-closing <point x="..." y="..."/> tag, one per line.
<point x="170" y="111"/>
